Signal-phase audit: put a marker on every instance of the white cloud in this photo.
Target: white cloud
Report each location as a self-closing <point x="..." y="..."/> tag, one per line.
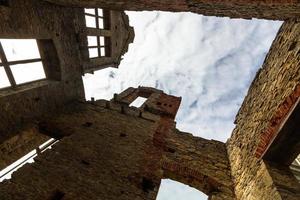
<point x="209" y="61"/>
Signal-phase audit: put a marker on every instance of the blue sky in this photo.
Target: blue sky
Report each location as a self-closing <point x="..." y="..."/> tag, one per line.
<point x="208" y="61"/>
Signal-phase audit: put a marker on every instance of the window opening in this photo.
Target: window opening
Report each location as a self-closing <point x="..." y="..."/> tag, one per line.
<point x="28" y="158"/>
<point x="97" y="18"/>
<point x="4" y="82"/>
<point x="170" y="189"/>
<point x="99" y="46"/>
<point x="138" y="102"/>
<point x="90" y="21"/>
<point x="20" y="49"/>
<point x="21" y="62"/>
<point x="93" y="52"/>
<point x="24" y="73"/>
<point x="295" y="168"/>
<point x="92" y="40"/>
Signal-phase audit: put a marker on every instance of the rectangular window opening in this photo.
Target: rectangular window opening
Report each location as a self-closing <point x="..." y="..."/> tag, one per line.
<point x="90" y="11"/>
<point x="4" y="82"/>
<point x="20" y="62"/>
<point x="97" y="18"/>
<point x="98" y="45"/>
<point x="138" y="102"/>
<point x="90" y="21"/>
<point x="100" y="23"/>
<point x="100" y="12"/>
<point x="92" y="41"/>
<point x="28" y="158"/>
<point x="102" y="51"/>
<point x="93" y="52"/>
<point x="102" y="41"/>
<point x="20" y="49"/>
<point x="24" y="73"/>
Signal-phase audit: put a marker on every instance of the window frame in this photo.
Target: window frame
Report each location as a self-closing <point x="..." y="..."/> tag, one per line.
<point x="7" y="67"/>
<point x="99" y="46"/>
<point x="105" y="18"/>
<point x="106" y="27"/>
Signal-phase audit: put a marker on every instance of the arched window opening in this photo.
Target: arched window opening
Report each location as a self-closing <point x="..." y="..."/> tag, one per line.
<point x="174" y="190"/>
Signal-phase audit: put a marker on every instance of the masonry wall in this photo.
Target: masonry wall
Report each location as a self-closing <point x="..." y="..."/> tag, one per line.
<point x="117" y="153"/>
<point x="22" y="143"/>
<point x="21" y="107"/>
<point x="54" y="24"/>
<point x="274" y="9"/>
<point x="269" y="98"/>
<point x="121" y="34"/>
<point x="62" y="40"/>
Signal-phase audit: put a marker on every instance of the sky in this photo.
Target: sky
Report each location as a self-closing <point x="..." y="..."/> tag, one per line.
<point x="208" y="61"/>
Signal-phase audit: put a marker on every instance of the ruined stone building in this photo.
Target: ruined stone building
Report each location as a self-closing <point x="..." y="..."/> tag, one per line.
<point x="108" y="150"/>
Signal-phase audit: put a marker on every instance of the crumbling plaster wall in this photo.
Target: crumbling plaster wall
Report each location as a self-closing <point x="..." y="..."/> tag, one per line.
<point x="270" y="95"/>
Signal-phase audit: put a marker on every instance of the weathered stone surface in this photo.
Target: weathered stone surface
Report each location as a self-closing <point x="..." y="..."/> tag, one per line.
<point x="120" y="35"/>
<point x="19" y="145"/>
<point x="61" y="34"/>
<point x="109" y="150"/>
<point x="274" y="84"/>
<point x="109" y="154"/>
<point x="272" y="9"/>
<point x="45" y="22"/>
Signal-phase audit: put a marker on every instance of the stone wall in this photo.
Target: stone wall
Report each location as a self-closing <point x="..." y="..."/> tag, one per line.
<point x="273" y="87"/>
<point x="49" y="24"/>
<point x="274" y="9"/>
<point x="120" y="35"/>
<point x="19" y="145"/>
<point x="199" y="163"/>
<point x="62" y="39"/>
<point x="114" y="152"/>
